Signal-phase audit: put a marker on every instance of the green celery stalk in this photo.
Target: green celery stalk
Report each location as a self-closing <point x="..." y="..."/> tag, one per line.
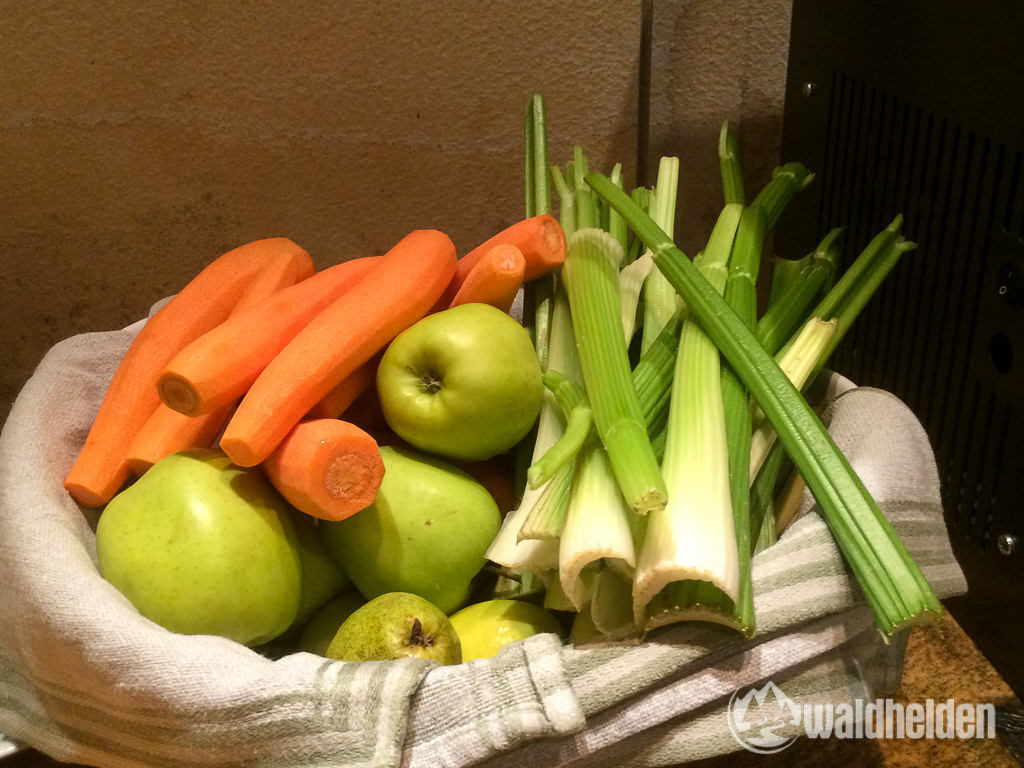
<point x="652" y="375"/>
<point x="546" y="517"/>
<point x="693" y="536"/>
<point x="590" y="273"/>
<point x="616" y="224"/>
<point x="893" y="585"/>
<point x="729" y="162"/>
<point x="791" y="306"/>
<point x="787" y="180"/>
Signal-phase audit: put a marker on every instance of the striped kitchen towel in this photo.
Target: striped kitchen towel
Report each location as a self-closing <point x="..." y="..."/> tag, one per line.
<point x="84" y="678"/>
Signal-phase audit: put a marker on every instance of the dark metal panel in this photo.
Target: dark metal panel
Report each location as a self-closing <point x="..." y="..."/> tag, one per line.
<point x="918" y="108"/>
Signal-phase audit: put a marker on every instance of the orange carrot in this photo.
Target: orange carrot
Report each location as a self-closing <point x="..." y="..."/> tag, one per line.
<point x="394" y="294"/>
<point x="166" y="431"/>
<point x="221" y="365"/>
<point x="494" y="279"/>
<point x="327" y="468"/>
<point x="337" y="401"/>
<point x="101" y="467"/>
<point x="540" y="238"/>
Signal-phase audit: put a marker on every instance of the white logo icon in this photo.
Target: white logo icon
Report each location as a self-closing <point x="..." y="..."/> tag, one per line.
<point x="756" y="717"/>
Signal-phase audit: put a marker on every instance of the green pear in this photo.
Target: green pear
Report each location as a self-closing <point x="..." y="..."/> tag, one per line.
<point x="322" y="577"/>
<point x="323" y="626"/>
<point x="427" y="532"/>
<point x="393" y="626"/>
<point x="201" y="546"/>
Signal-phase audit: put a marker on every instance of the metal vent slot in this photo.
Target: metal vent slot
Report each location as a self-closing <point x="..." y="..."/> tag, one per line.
<point x="884" y="156"/>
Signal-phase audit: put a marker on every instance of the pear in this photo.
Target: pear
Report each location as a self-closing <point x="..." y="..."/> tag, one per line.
<point x="396" y="625"/>
<point x="485" y="628"/>
<point x="320" y="630"/>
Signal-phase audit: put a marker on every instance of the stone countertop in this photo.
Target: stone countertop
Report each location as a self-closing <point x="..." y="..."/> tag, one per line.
<point x="941" y="663"/>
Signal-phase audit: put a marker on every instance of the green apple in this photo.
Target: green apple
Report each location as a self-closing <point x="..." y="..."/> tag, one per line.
<point x="395" y="625"/>
<point x="323" y="626"/>
<point x="487" y="627"/>
<point x="463" y="383"/>
<point x="427" y="532"/>
<point x="201" y="546"/>
<point x="322" y="577"/>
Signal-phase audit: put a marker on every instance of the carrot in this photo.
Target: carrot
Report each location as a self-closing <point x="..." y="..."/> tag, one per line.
<point x="221" y="365"/>
<point x="394" y="294"/>
<point x="540" y="238"/>
<point x="337" y="401"/>
<point x="101" y="467"/>
<point x="327" y="468"/>
<point x="166" y="431"/>
<point x="494" y="279"/>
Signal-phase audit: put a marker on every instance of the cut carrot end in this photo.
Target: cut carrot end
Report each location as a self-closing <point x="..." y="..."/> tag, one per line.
<point x="327" y="468"/>
<point x="178" y="394"/>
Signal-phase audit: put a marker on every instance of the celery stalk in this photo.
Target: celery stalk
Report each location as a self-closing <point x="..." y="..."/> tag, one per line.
<point x="565" y="449"/>
<point x="787" y="180"/>
<point x="652" y="375"/>
<point x="893" y="585"/>
<point x="728" y="160"/>
<point x="596" y="522"/>
<point x="793" y="303"/>
<point x="590" y="272"/>
<point x="798" y="362"/>
<point x="546" y="517"/>
<point x="693" y="536"/>
<point x="507" y="549"/>
<point x="660" y="298"/>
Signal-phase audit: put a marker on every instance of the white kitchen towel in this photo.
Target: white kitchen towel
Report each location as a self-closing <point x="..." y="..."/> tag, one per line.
<point x="84" y="678"/>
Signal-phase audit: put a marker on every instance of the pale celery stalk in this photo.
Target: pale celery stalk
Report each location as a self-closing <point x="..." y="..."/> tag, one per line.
<point x="566" y="201"/>
<point x="660" y="298"/>
<point x="792" y="304"/>
<point x="787" y="180"/>
<point x="611" y="606"/>
<point x="693" y="536"/>
<point x="590" y="273"/>
<point x="631" y="281"/>
<point x="893" y="585"/>
<point x="596" y="523"/>
<point x="555" y="599"/>
<point x="729" y="164"/>
<point x="507" y="549"/>
<point x="798" y="362"/>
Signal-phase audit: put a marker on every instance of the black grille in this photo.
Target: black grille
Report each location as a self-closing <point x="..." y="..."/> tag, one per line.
<point x="946" y="331"/>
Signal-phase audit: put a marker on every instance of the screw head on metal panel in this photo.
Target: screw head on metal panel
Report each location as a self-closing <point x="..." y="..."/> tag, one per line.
<point x="808" y="88"/>
<point x="1007" y="544"/>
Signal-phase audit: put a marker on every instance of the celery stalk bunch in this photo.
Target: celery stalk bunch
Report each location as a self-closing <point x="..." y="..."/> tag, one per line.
<point x="675" y="407"/>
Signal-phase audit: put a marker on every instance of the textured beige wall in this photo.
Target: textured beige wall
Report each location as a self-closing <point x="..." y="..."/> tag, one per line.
<point x="138" y="141"/>
<point x="716" y="60"/>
